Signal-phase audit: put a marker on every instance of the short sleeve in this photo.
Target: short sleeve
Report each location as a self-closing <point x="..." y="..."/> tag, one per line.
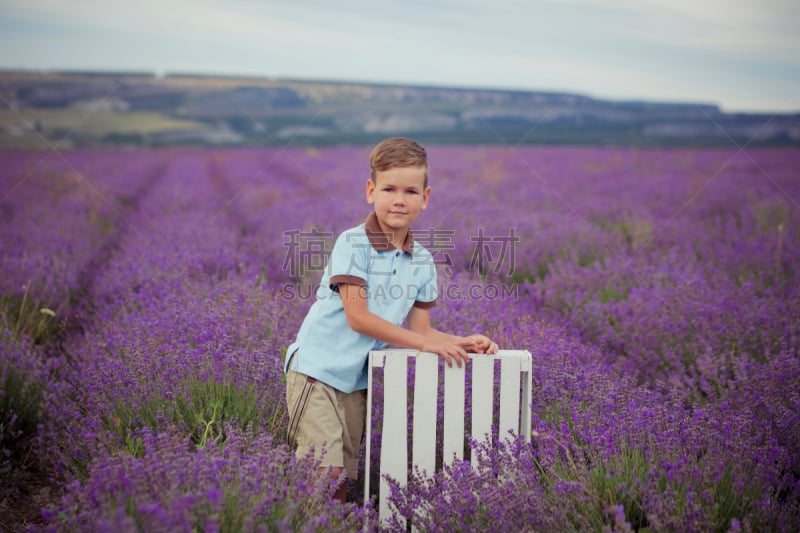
<point x="348" y="262"/>
<point x="428" y="291"/>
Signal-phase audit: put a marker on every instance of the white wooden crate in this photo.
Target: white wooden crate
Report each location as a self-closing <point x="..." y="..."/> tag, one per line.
<point x="515" y="370"/>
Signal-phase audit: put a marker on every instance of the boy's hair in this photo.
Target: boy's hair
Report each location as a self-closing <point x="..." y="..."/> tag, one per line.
<point x="398" y="152"/>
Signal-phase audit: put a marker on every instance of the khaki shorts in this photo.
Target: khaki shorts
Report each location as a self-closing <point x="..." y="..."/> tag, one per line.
<point x="321" y="417"/>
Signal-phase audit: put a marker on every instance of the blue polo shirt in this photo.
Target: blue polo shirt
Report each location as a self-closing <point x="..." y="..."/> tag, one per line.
<point x="395" y="281"/>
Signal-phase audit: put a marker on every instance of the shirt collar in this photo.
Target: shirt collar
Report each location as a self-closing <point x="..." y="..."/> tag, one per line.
<point x="380" y="240"/>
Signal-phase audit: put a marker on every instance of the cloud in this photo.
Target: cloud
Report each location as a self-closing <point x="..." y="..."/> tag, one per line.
<point x="179" y="20"/>
<point x="614" y="48"/>
<point x="719" y="25"/>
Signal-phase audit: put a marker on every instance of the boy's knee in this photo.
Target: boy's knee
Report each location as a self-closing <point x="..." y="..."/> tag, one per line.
<point x="334" y="471"/>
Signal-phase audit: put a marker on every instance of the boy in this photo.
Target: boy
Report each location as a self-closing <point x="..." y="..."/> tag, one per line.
<point x="376" y="278"/>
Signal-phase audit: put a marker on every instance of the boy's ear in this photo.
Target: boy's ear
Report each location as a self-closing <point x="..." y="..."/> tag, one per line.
<point x="426" y="195"/>
<point x="370" y="191"/>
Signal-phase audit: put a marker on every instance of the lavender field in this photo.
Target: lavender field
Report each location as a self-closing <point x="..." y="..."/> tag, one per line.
<point x="147" y="299"/>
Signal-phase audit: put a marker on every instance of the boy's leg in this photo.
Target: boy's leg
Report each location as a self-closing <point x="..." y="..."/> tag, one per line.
<point x="317" y="421"/>
<point x="354" y="406"/>
<point x="321" y="417"/>
<point x="313" y="419"/>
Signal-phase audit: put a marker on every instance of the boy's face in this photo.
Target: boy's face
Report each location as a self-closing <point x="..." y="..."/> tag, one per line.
<point x="399" y="195"/>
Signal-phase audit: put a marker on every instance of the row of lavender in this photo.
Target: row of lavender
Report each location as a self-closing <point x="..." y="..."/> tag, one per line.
<point x="676" y="270"/>
<point x="54" y="226"/>
<point x="655" y="289"/>
<point x="177" y="350"/>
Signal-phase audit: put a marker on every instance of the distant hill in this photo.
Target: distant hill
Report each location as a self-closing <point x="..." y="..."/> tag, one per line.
<point x="139" y="109"/>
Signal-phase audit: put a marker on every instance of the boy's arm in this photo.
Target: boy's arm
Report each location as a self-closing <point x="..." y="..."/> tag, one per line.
<point x="419" y="320"/>
<point x="360" y="319"/>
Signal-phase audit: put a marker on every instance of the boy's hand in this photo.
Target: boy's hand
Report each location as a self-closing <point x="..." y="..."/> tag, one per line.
<point x="480" y="344"/>
<point x="448" y="351"/>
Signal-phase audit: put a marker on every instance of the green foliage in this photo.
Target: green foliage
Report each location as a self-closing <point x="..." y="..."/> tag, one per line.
<point x="623" y="478"/>
<point x="540" y="272"/>
<point x="731" y="501"/>
<point x="772" y="215"/>
<point x="614" y="481"/>
<point x="207" y="408"/>
<point x="635" y="232"/>
<point x="609" y="292"/>
<point x="26" y="316"/>
<point x="21" y="399"/>
<point x="20" y="410"/>
<point x="21" y="396"/>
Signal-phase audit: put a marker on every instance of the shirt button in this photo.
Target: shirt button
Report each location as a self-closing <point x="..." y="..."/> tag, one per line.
<point x="397" y="254"/>
<point x="394" y="271"/>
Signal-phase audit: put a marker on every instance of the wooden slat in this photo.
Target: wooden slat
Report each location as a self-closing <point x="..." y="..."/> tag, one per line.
<point x="514" y="365"/>
<point x="482" y="397"/>
<point x="394" y="447"/>
<point x="426" y="380"/>
<point x="509" y="396"/>
<point x="375" y="360"/>
<point x="525" y="423"/>
<point x="453" y="413"/>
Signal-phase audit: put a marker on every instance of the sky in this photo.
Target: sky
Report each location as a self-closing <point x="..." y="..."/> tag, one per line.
<point x="742" y="55"/>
